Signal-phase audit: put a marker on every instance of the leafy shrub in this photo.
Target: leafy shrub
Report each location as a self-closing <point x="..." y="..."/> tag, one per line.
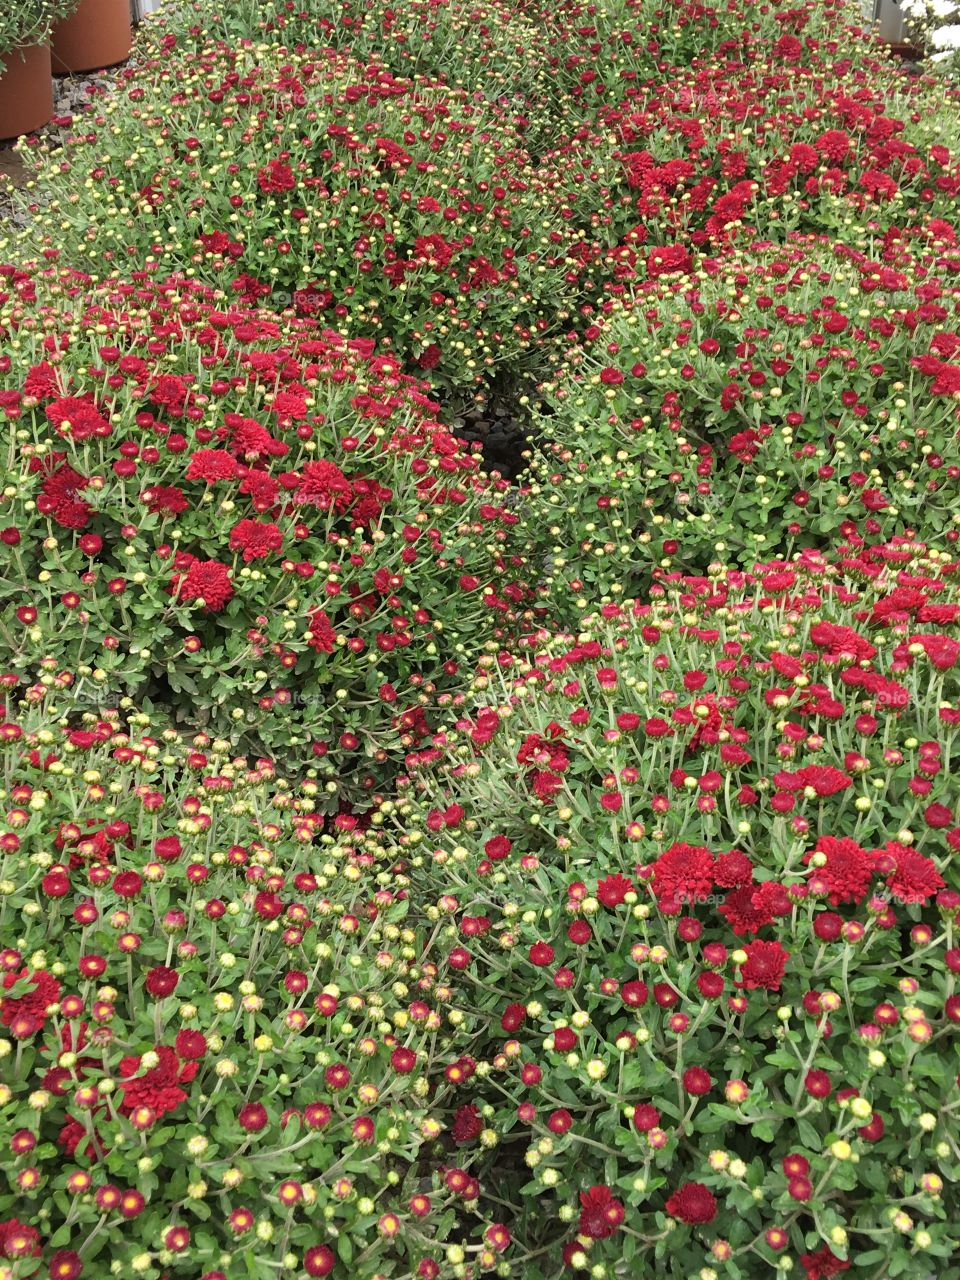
<point x="751" y="404"/>
<point x="241" y="517"/>
<point x="698" y="868"/>
<point x="218" y="1037"/>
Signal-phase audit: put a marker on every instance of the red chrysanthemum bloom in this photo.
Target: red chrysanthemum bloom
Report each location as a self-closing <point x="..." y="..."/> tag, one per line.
<point x="253" y="1117"/>
<point x="734" y="870"/>
<point x="162" y="981"/>
<point x="159" y="1088"/>
<point x="824" y="779"/>
<point x="697" y="1081"/>
<point x="915" y="878"/>
<point x="765" y="966"/>
<point x="600" y="1213"/>
<point x="467" y="1124"/>
<point x="684" y="873"/>
<point x="324" y="485"/>
<point x="28" y="1011"/>
<point x="275" y="177"/>
<point x="646" y="1117"/>
<point x="190" y="1044"/>
<point x="58" y="498"/>
<point x="823" y="1264"/>
<point x="745" y="910"/>
<point x="612" y="890"/>
<point x="817" y="1083"/>
<point x="211" y="465"/>
<point x="18" y="1239"/>
<point x="164" y="500"/>
<point x="693" y="1203"/>
<point x="206" y="580"/>
<point x="319" y="1260"/>
<point x="848" y="869"/>
<point x="322" y="635"/>
<point x="257" y="539"/>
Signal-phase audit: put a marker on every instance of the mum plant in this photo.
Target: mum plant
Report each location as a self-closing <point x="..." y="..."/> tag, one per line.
<point x="399" y="210"/>
<point x="789" y="141"/>
<point x="239" y="516"/>
<point x="30" y="22"/>
<point x="218" y="1032"/>
<point x="695" y="865"/>
<point x="747" y="404"/>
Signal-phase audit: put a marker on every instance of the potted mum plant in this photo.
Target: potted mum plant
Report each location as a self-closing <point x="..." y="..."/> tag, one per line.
<point x="91" y="35"/>
<point x="26" y="93"/>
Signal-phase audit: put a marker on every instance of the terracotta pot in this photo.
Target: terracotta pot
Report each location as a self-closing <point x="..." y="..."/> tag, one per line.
<point x="97" y="35"/>
<point x="26" y="90"/>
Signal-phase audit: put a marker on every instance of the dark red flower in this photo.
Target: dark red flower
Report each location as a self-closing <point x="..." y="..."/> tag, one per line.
<point x="600" y="1214"/>
<point x="693" y="1203"/>
<point x="467" y="1124"/>
<point x="253" y="1117"/>
<point x="765" y="966"/>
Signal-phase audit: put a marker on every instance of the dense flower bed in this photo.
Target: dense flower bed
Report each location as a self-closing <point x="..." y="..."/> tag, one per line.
<point x="409" y="876"/>
<point x="218" y="1041"/>
<point x="754" y="404"/>
<point x="402" y="209"/>
<point x="698" y="867"/>
<point x="241" y="516"/>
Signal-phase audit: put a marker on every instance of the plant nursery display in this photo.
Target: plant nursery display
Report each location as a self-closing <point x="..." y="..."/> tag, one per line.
<point x="480" y="644"/>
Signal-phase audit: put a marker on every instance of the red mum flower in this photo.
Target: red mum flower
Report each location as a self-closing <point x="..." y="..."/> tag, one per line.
<point x="848" y="869"/>
<point x="319" y="1260"/>
<point x="668" y="259"/>
<point x="275" y="177"/>
<point x="600" y="1213"/>
<point x="162" y="981"/>
<point x="765" y="966"/>
<point x="164" y="500"/>
<point x="684" y="873"/>
<point x="745" y="910"/>
<point x="206" y="580"/>
<point x="27" y="1012"/>
<point x="253" y="1117"/>
<point x="430" y="356"/>
<point x="324" y="485"/>
<point x="58" y="498"/>
<point x="211" y="465"/>
<point x="823" y="1264"/>
<point x="817" y="1083"/>
<point x="18" y="1240"/>
<point x="160" y="1087"/>
<point x="613" y="889"/>
<point x="65" y="1264"/>
<point x="693" y="1203"/>
<point x="497" y="848"/>
<point x="322" y="635"/>
<point x="915" y="878"/>
<point x="825" y="780"/>
<point x="645" y="1117"/>
<point x="256" y="539"/>
<point x="697" y="1081"/>
<point x="190" y="1044"/>
<point x="467" y="1124"/>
